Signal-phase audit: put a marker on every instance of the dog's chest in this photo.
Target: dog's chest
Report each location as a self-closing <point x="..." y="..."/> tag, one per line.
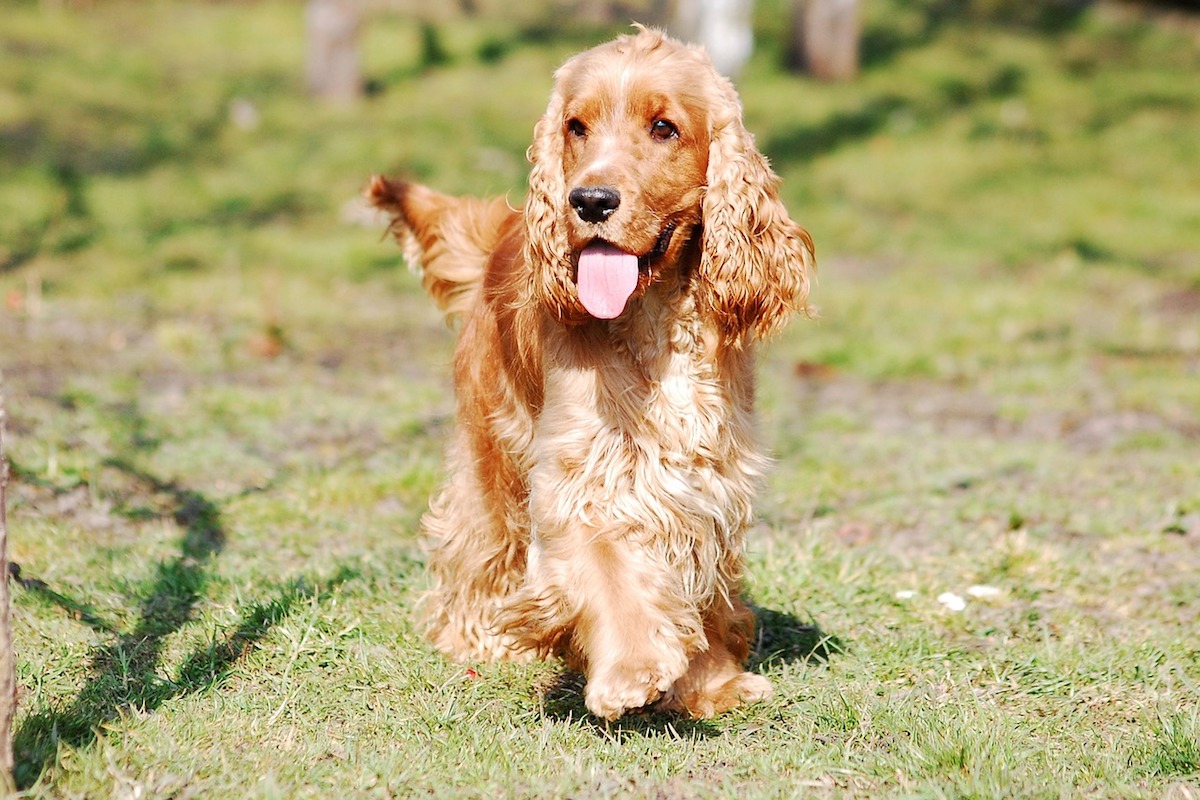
<point x="685" y="403"/>
<point x="646" y="414"/>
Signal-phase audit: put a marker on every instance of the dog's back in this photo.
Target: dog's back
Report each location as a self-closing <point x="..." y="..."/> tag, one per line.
<point x="448" y="240"/>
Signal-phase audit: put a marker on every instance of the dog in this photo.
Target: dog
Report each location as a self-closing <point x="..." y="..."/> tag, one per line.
<point x="604" y="462"/>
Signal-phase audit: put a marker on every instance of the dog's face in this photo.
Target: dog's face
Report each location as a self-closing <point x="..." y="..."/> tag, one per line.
<point x="635" y="153"/>
<point x="635" y="140"/>
<point x="642" y="169"/>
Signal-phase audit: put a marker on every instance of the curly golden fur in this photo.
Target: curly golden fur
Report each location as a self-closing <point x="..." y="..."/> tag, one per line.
<point x="602" y="469"/>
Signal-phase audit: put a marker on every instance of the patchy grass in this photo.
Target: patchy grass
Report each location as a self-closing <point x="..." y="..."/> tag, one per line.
<point x="227" y="403"/>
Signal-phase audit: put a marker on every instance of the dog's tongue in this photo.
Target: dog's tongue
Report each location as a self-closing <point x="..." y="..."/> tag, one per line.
<point x="607" y="276"/>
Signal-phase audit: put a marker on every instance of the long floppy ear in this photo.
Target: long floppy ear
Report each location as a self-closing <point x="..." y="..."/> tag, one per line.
<point x="756" y="263"/>
<point x="546" y="248"/>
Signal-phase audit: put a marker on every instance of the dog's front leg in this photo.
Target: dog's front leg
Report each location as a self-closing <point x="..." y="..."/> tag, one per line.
<point x="625" y="626"/>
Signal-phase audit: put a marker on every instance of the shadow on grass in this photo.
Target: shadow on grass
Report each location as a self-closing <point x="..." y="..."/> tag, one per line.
<point x="90" y="141"/>
<point x="876" y="114"/>
<point x="77" y="609"/>
<point x="884" y="41"/>
<point x="782" y="637"/>
<point x="125" y="674"/>
<point x="931" y="101"/>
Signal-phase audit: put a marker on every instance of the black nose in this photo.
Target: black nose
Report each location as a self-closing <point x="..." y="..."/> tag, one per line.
<point x="594" y="203"/>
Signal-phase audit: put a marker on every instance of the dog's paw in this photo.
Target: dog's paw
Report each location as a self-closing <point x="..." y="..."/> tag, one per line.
<point x="745" y="689"/>
<point x="622" y="688"/>
<point x="742" y="689"/>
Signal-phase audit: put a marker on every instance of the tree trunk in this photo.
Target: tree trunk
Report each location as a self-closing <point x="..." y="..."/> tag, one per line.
<point x="8" y="680"/>
<point x="333" y="66"/>
<point x="825" y="38"/>
<point x="723" y="27"/>
<point x="595" y="12"/>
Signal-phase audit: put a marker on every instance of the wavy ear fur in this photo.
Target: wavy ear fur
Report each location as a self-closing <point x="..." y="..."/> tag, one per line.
<point x="546" y="248"/>
<point x="756" y="263"/>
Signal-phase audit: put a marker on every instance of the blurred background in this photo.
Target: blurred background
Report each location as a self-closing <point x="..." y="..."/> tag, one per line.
<point x="1000" y="192"/>
<point x="156" y="140"/>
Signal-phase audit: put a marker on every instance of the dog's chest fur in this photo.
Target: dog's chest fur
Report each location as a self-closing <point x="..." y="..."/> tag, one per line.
<point x="645" y="435"/>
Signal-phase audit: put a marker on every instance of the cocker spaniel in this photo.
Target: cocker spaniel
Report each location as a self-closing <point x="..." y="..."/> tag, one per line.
<point x="604" y="460"/>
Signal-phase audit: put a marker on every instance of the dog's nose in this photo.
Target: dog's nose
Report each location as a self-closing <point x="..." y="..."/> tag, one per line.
<point x="594" y="203"/>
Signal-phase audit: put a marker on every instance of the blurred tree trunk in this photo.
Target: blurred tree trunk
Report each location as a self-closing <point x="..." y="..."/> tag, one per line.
<point x="333" y="64"/>
<point x="825" y="38"/>
<point x="596" y="12"/>
<point x="613" y="12"/>
<point x="8" y="681"/>
<point x="722" y="27"/>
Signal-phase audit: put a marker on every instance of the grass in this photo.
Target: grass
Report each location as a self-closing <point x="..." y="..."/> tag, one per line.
<point x="227" y="403"/>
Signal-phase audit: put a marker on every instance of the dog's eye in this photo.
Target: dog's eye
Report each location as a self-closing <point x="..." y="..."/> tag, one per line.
<point x="576" y="128"/>
<point x="663" y="130"/>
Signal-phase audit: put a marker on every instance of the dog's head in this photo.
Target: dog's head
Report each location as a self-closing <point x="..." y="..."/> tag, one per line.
<point x="641" y="165"/>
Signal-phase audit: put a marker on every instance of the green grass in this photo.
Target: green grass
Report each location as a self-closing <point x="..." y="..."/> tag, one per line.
<point x="228" y="400"/>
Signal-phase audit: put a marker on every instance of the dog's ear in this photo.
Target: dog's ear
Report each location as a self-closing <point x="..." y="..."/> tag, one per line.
<point x="546" y="248"/>
<point x="756" y="263"/>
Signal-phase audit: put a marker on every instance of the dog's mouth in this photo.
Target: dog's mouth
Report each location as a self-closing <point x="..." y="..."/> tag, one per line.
<point x="660" y="247"/>
<point x="607" y="276"/>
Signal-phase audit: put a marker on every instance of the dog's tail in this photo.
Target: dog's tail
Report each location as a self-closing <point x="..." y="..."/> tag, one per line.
<point x="446" y="240"/>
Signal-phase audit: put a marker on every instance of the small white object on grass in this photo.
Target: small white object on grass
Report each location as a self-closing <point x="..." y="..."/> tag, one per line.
<point x="952" y="601"/>
<point x="983" y="592"/>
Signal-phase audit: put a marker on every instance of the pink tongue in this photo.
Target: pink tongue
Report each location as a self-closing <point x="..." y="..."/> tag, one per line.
<point x="607" y="276"/>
